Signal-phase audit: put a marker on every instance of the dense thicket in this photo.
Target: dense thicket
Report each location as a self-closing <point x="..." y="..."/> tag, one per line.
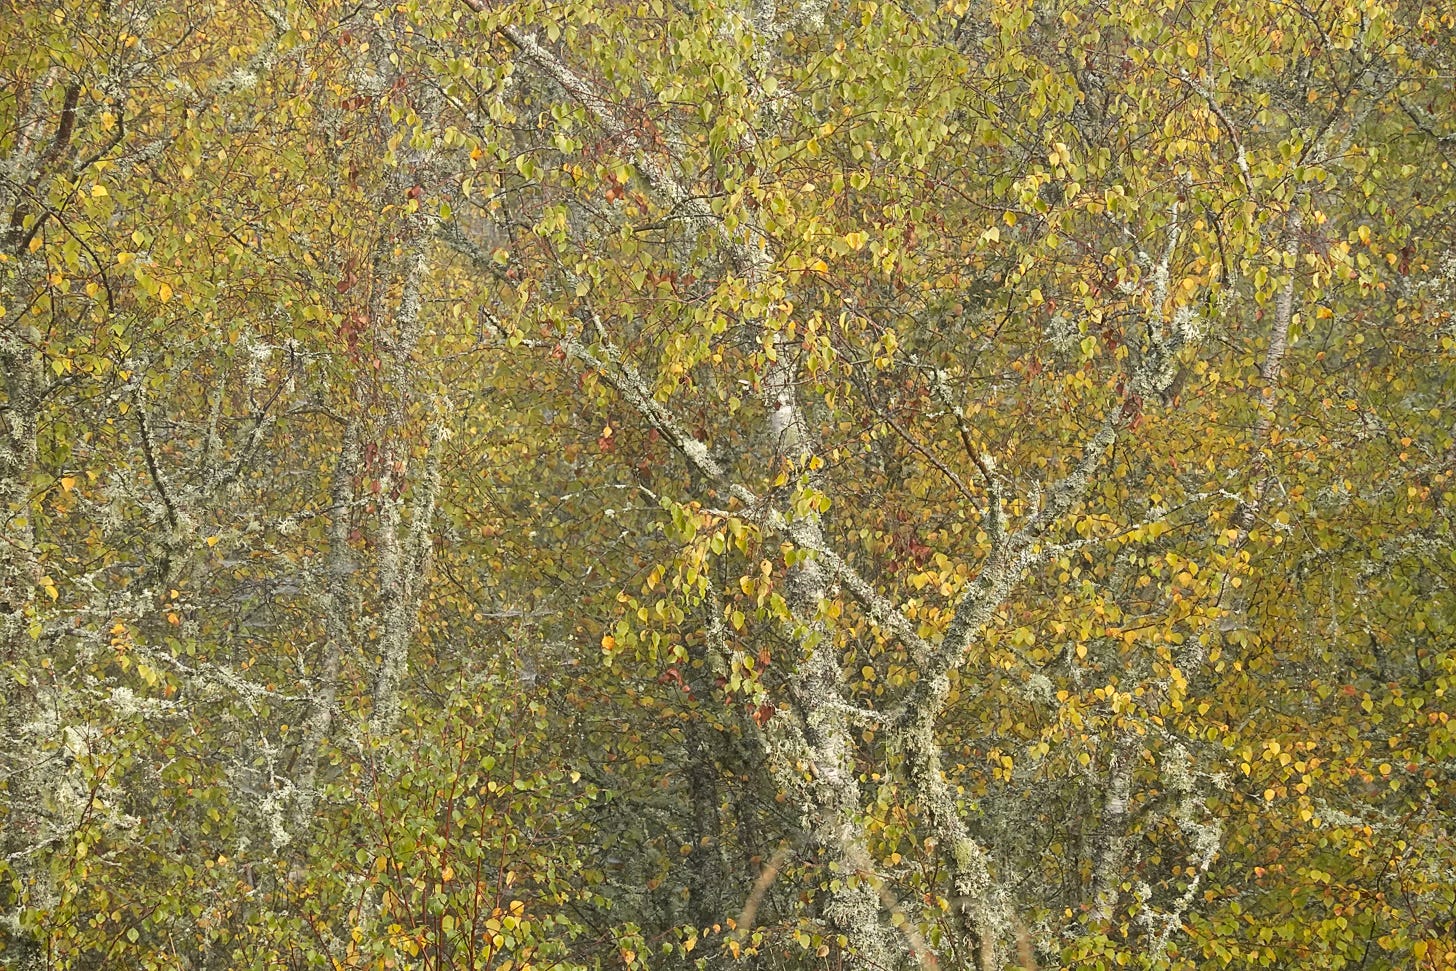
<point x="833" y="484"/>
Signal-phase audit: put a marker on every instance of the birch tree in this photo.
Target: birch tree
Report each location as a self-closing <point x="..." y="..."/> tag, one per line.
<point x="1140" y="203"/>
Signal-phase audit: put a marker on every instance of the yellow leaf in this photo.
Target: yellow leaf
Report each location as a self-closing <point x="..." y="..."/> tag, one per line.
<point x="212" y="540"/>
<point x="68" y="482"/>
<point x="164" y="293"/>
<point x="99" y="192"/>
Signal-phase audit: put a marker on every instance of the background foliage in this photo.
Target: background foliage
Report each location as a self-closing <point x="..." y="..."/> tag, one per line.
<point x="691" y="484"/>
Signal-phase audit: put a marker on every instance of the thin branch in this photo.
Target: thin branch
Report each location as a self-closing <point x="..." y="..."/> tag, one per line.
<point x="1241" y="157"/>
<point x="149" y="454"/>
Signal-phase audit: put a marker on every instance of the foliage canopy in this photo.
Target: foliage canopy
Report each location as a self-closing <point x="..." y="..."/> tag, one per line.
<point x="693" y="484"/>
